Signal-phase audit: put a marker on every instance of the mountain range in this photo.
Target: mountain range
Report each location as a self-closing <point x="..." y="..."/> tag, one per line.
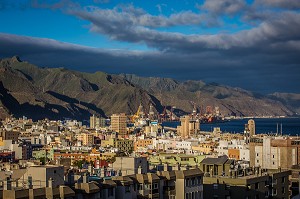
<point x="57" y="93"/>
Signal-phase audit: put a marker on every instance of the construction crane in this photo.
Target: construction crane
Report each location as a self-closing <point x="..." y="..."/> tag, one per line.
<point x="172" y="115"/>
<point x="138" y="114"/>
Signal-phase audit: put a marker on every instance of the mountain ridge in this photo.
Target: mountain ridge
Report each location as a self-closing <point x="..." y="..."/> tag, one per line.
<point x="59" y="93"/>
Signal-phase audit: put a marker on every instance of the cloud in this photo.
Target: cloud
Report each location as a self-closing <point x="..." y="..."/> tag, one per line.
<point x="259" y="71"/>
<point x="139" y="27"/>
<point x="131" y="16"/>
<point x="287" y="4"/>
<point x="264" y="57"/>
<point x="227" y="7"/>
<point x="160" y="6"/>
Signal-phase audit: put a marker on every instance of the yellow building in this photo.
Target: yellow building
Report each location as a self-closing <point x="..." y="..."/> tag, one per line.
<point x="86" y="139"/>
<point x="251" y="127"/>
<point x="118" y="123"/>
<point x="142" y="143"/>
<point x="123" y="145"/>
<point x="96" y="122"/>
<point x="188" y="127"/>
<point x="205" y="148"/>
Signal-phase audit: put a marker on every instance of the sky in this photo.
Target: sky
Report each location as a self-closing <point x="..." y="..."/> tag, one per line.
<point x="251" y="44"/>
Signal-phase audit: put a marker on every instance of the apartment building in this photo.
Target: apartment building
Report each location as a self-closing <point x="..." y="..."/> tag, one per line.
<point x="118" y="124"/>
<point x="188" y="127"/>
<point x="274" y="152"/>
<point x="224" y="178"/>
<point x="123" y="145"/>
<point x="10" y="135"/>
<point x="183" y="184"/>
<point x="87" y="139"/>
<point x="142" y="143"/>
<point x="131" y="165"/>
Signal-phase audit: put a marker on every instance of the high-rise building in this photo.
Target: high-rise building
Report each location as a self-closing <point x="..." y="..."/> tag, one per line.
<point x="86" y="139"/>
<point x="188" y="126"/>
<point x="274" y="152"/>
<point x="118" y="123"/>
<point x="96" y="122"/>
<point x="251" y="127"/>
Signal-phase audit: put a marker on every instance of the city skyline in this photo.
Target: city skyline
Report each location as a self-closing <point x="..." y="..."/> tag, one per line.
<point x="248" y="44"/>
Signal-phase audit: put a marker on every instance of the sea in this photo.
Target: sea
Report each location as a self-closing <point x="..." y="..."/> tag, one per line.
<point x="290" y="126"/>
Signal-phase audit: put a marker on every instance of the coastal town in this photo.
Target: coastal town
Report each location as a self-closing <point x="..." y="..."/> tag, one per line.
<point x="134" y="156"/>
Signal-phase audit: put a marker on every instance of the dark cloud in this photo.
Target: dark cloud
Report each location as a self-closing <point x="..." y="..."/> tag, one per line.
<point x="287" y="4"/>
<point x="227" y="7"/>
<point x="137" y="28"/>
<point x="255" y="71"/>
<point x="264" y="58"/>
<point x="129" y="16"/>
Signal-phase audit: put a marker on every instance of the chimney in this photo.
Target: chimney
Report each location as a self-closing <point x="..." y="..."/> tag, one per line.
<point x="102" y="173"/>
<point x="260" y="172"/>
<point x="139" y="170"/>
<point x="166" y="167"/>
<point x="211" y="172"/>
<point x="256" y="171"/>
<point x="30" y="186"/>
<point x="90" y="169"/>
<point x="178" y="166"/>
<point x="85" y="178"/>
<point x="299" y="181"/>
<point x="50" y="183"/>
<point x="70" y="177"/>
<point x="7" y="184"/>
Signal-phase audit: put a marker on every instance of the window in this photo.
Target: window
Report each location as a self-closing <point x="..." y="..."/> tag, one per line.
<point x="199" y="179"/>
<point x="127" y="189"/>
<point x="267" y="194"/>
<point x="155" y="186"/>
<point x="283" y="179"/>
<point x="274" y="192"/>
<point x="227" y="187"/>
<point x="283" y="190"/>
<point x="187" y="182"/>
<point x="256" y="185"/>
<point x="215" y="186"/>
<point x="110" y="192"/>
<point x="193" y="181"/>
<point x="140" y="187"/>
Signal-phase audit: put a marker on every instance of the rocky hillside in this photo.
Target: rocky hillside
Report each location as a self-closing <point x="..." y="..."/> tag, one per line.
<point x="26" y="89"/>
<point x="58" y="93"/>
<point x="231" y="101"/>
